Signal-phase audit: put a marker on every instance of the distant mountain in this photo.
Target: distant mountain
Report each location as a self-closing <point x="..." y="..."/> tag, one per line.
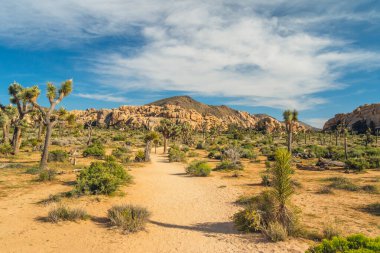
<point x="189" y="103"/>
<point x="359" y="120"/>
<point x="180" y="109"/>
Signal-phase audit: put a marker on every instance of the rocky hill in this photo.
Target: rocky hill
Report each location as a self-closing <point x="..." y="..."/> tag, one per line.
<point x="362" y="118"/>
<point x="179" y="109"/>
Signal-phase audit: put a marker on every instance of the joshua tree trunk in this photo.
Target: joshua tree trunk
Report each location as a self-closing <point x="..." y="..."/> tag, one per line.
<point x="5" y="134"/>
<point x="147" y="151"/>
<point x="305" y="135"/>
<point x="377" y="135"/>
<point x="45" y="152"/>
<point x="345" y="147"/>
<point x="16" y="142"/>
<point x="165" y="144"/>
<point x="40" y="129"/>
<point x="336" y="139"/>
<point x="155" y="148"/>
<point x="290" y="139"/>
<point x="89" y="135"/>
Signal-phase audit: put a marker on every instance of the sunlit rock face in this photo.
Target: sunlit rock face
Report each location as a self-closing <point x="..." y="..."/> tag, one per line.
<point x="359" y="120"/>
<point x="179" y="109"/>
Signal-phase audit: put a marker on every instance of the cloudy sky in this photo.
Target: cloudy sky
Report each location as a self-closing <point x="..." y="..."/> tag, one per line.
<point x="261" y="56"/>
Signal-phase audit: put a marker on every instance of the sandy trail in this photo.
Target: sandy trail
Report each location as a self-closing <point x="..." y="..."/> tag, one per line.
<point x="188" y="215"/>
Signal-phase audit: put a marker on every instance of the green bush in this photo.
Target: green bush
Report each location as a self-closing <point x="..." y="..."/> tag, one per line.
<point x="373" y="189"/>
<point x="47" y="175"/>
<point x="248" y="154"/>
<point x="352" y="244"/>
<point x="64" y="213"/>
<point x="5" y="149"/>
<point x="248" y="220"/>
<point x="33" y="170"/>
<point x="101" y="178"/>
<point x="265" y="180"/>
<point x="119" y="137"/>
<point x="176" y="155"/>
<point x="120" y="152"/>
<point x="373" y="209"/>
<point x="358" y="164"/>
<point x="129" y="218"/>
<point x="95" y="149"/>
<point x="192" y="154"/>
<point x="199" y="169"/>
<point x="227" y="165"/>
<point x="58" y="156"/>
<point x="275" y="231"/>
<point x="342" y="183"/>
<point x="140" y="156"/>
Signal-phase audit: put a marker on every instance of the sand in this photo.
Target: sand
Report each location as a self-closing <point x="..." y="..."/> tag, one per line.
<point x="189" y="214"/>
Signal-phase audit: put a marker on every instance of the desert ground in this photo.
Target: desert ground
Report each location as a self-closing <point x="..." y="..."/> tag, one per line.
<point x="188" y="214"/>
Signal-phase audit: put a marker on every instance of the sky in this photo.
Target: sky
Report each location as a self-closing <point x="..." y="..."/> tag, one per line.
<point x="319" y="57"/>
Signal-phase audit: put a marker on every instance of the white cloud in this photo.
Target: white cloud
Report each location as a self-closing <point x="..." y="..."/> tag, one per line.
<point x="102" y="97"/>
<point x="316" y="122"/>
<point x="242" y="50"/>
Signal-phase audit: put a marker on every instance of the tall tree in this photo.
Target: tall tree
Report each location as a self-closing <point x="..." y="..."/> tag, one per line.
<point x="168" y="129"/>
<point x="290" y="117"/>
<point x="50" y="117"/>
<point x="8" y="115"/>
<point x="149" y="139"/>
<point x="21" y="97"/>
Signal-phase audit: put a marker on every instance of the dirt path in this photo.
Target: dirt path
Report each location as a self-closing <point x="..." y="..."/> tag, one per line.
<point x="188" y="215"/>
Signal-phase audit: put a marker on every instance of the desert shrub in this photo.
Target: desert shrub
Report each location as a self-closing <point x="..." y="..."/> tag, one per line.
<point x="358" y="164"/>
<point x="199" y="169"/>
<point x="351" y="244"/>
<point x="374" y="162"/>
<point x="342" y="183"/>
<point x="95" y="149"/>
<point x="265" y="180"/>
<point x="5" y="149"/>
<point x="47" y="175"/>
<point x="58" y="156"/>
<point x="64" y="213"/>
<point x="51" y="199"/>
<point x="248" y="220"/>
<point x="128" y="217"/>
<point x="120" y="152"/>
<point x="330" y="230"/>
<point x="372" y="208"/>
<point x="200" y="145"/>
<point x="325" y="190"/>
<point x="101" y="178"/>
<point x="317" y="151"/>
<point x="140" y="156"/>
<point x="192" y="154"/>
<point x="373" y="189"/>
<point x="176" y="155"/>
<point x="119" y="137"/>
<point x="248" y="154"/>
<point x="214" y="154"/>
<point x="275" y="231"/>
<point x="227" y="165"/>
<point x="33" y="170"/>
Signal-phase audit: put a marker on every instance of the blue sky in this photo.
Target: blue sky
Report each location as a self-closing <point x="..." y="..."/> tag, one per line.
<point x="260" y="56"/>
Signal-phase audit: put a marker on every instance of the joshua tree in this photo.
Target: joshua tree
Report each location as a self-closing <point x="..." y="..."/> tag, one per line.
<point x="149" y="138"/>
<point x="8" y="114"/>
<point x="282" y="184"/>
<point x="290" y="117"/>
<point x="22" y="98"/>
<point x="50" y="117"/>
<point x="186" y="133"/>
<point x="345" y="134"/>
<point x="168" y="130"/>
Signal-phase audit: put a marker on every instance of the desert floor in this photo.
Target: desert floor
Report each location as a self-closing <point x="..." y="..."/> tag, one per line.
<point x="189" y="214"/>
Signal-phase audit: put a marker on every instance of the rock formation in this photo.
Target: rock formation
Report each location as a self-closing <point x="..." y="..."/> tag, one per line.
<point x="179" y="109"/>
<point x="359" y="120"/>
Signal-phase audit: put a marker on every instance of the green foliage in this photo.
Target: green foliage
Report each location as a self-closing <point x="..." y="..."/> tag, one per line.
<point x="176" y="155"/>
<point x="228" y="165"/>
<point x="248" y="220"/>
<point x="101" y="178"/>
<point x="58" y="156"/>
<point x="119" y="137"/>
<point x="64" y="213"/>
<point x="199" y="169"/>
<point x="342" y="183"/>
<point x="33" y="170"/>
<point x="47" y="175"/>
<point x="265" y="180"/>
<point x="352" y="244"/>
<point x="96" y="149"/>
<point x="5" y="149"/>
<point x="123" y="154"/>
<point x="129" y="218"/>
<point x="373" y="208"/>
<point x="275" y="231"/>
<point x="140" y="156"/>
<point x="358" y="164"/>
